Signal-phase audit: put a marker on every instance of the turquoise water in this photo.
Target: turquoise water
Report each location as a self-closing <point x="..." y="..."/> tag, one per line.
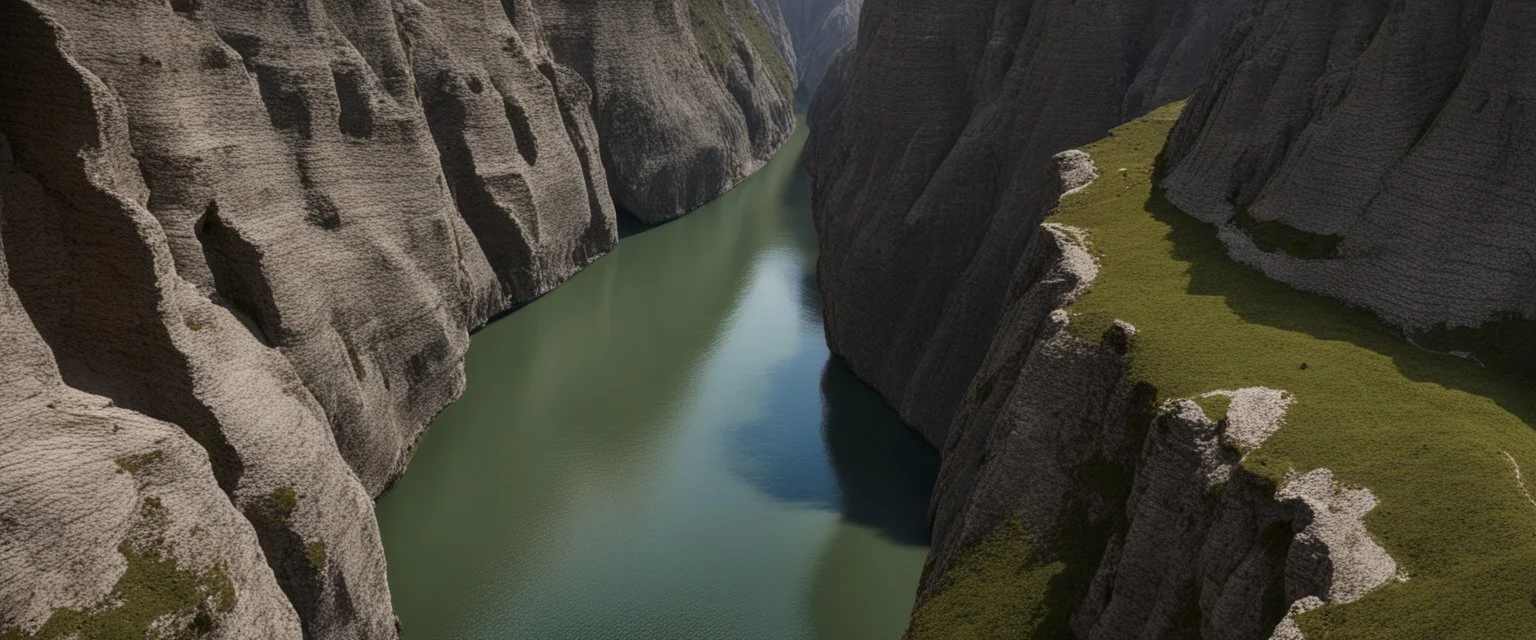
<point x="662" y="448"/>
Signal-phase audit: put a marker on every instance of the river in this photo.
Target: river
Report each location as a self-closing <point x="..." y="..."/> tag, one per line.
<point x="663" y="448"/>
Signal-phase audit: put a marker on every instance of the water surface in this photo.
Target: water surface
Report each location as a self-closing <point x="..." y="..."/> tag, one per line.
<point x="662" y="448"/>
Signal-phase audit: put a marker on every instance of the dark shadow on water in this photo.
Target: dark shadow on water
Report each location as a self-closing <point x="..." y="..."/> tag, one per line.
<point x="885" y="469"/>
<point x="849" y="455"/>
<point x="1260" y="300"/>
<point x="630" y="226"/>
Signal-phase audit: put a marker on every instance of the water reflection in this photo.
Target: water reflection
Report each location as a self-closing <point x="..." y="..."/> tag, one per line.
<point x="661" y="448"/>
<point x="871" y="474"/>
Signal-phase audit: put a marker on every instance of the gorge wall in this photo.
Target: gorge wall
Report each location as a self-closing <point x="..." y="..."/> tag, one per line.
<point x="1346" y="147"/>
<point x="1373" y="152"/>
<point x="244" y="245"/>
<point x="812" y="34"/>
<point x="931" y="156"/>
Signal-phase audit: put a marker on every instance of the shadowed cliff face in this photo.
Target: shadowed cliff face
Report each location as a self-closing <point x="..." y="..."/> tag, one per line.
<point x="1345" y="147"/>
<point x="812" y="33"/>
<point x="691" y="96"/>
<point x="931" y="157"/>
<point x="272" y="226"/>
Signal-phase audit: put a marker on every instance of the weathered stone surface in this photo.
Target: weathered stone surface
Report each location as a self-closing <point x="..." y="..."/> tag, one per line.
<point x="819" y="31"/>
<point x="98" y="502"/>
<point x="269" y="228"/>
<point x="1387" y="136"/>
<point x="932" y="182"/>
<point x="685" y="96"/>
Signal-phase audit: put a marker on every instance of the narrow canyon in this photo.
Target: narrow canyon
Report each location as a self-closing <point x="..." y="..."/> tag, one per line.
<point x="1093" y="319"/>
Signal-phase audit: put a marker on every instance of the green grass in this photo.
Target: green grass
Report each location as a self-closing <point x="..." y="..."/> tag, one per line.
<point x="315" y="553"/>
<point x="999" y="589"/>
<point x="134" y="463"/>
<point x="281" y="503"/>
<point x="152" y="588"/>
<point x="711" y="22"/>
<point x="1425" y="432"/>
<point x="1215" y="407"/>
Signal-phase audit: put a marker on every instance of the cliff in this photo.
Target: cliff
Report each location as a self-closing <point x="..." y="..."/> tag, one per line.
<point x="818" y="31"/>
<point x="1349" y="148"/>
<point x="690" y="97"/>
<point x="928" y="189"/>
<point x="245" y="245"/>
<point x="1077" y="500"/>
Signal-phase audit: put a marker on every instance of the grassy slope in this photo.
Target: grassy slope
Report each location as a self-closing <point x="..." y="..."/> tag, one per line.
<point x="712" y="31"/>
<point x="1427" y="433"/>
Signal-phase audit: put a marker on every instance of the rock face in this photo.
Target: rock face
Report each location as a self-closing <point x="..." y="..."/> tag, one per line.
<point x="818" y="31"/>
<point x="243" y="248"/>
<point x="101" y="502"/>
<point x="932" y="170"/>
<point x="1341" y="145"/>
<point x="1051" y="433"/>
<point x="691" y="97"/>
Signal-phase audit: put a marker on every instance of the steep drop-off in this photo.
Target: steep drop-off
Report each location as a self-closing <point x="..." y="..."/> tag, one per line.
<point x="813" y="33"/>
<point x="1097" y="483"/>
<point x="1349" y="148"/>
<point x="267" y="229"/>
<point x="932" y="169"/>
<point x="690" y="97"/>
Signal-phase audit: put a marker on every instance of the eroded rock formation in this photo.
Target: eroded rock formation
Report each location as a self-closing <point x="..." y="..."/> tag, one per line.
<point x="1148" y="508"/>
<point x="1345" y="146"/>
<point x="244" y="245"/>
<point x="931" y="164"/>
<point x="691" y="97"/>
<point x="815" y="32"/>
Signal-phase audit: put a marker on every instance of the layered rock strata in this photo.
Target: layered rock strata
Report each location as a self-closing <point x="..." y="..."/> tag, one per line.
<point x="931" y="164"/>
<point x="245" y="244"/>
<point x="1346" y="148"/>
<point x="691" y="97"/>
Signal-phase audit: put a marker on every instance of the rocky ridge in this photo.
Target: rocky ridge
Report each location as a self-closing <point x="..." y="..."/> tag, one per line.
<point x="1161" y="529"/>
<point x="1343" y="147"/>
<point x="933" y="138"/>
<point x="245" y="245"/>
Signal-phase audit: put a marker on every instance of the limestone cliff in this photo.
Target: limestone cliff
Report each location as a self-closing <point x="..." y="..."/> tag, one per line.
<point x="934" y="177"/>
<point x="691" y="97"/>
<point x="817" y="32"/>
<point x="1345" y="147"/>
<point x="245" y="243"/>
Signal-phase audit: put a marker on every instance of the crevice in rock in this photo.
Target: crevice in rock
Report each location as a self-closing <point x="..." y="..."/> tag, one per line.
<point x="356" y="118"/>
<point x="236" y="266"/>
<point x="488" y="203"/>
<point x="522" y="133"/>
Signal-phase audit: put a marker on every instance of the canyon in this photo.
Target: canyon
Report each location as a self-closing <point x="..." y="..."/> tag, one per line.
<point x="1253" y="365"/>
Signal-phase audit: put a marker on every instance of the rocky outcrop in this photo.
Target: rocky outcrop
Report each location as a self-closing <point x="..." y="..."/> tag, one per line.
<point x="245" y="245"/>
<point x="113" y="520"/>
<point x="1162" y="531"/>
<point x="1347" y="147"/>
<point x="934" y="177"/>
<point x="691" y="97"/>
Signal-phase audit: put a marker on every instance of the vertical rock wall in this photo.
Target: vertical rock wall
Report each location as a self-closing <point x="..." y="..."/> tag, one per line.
<point x="1343" y="146"/>
<point x="931" y="172"/>
<point x="691" y="97"/>
<point x="245" y="242"/>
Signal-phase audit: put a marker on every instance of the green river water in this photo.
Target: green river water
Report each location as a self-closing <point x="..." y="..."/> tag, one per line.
<point x="662" y="448"/>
